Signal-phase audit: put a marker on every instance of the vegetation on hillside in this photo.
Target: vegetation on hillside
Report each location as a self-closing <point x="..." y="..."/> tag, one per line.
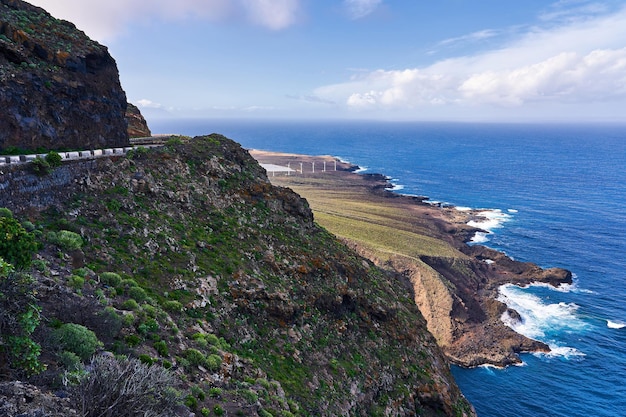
<point x="185" y="265"/>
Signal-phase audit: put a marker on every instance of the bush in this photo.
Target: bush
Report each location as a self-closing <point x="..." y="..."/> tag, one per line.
<point x="129" y="305"/>
<point x="137" y="293"/>
<point x="5" y="212"/>
<point x="17" y="246"/>
<point x="77" y="339"/>
<point x="40" y="166"/>
<point x="110" y="278"/>
<point x="66" y="240"/>
<point x="173" y="306"/>
<point x="70" y="361"/>
<point x="161" y="348"/>
<point x="53" y="159"/>
<point x="125" y="388"/>
<point x="19" y="317"/>
<point x="214" y="362"/>
<point x="76" y="282"/>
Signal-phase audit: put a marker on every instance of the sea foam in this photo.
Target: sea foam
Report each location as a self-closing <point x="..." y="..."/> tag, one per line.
<point x="492" y="219"/>
<point x="540" y="320"/>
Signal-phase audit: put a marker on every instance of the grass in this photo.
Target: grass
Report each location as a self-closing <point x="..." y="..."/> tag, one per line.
<point x="343" y="205"/>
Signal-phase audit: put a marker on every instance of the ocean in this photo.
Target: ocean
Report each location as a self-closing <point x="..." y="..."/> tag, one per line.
<point x="556" y="195"/>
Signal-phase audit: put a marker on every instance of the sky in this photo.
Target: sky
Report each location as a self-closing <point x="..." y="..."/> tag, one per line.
<point x="449" y="60"/>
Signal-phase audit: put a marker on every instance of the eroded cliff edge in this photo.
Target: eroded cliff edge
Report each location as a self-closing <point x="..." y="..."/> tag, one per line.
<point x="455" y="285"/>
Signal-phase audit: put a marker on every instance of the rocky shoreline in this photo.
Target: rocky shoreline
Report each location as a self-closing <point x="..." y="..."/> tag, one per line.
<point x="455" y="284"/>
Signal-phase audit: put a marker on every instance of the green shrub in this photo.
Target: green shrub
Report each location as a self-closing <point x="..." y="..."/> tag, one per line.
<point x="214" y="362"/>
<point x="40" y="166"/>
<point x="66" y="240"/>
<point x="110" y="278"/>
<point x="128" y="283"/>
<point x="161" y="348"/>
<point x="137" y="293"/>
<point x="173" y="306"/>
<point x="147" y="359"/>
<point x="5" y="212"/>
<point x="129" y="305"/>
<point x="195" y="357"/>
<point x="53" y="159"/>
<point x="218" y="410"/>
<point x="78" y="339"/>
<point x="76" y="282"/>
<point x="215" y="392"/>
<point x="132" y="340"/>
<point x="70" y="361"/>
<point x="19" y="317"/>
<point x="17" y="246"/>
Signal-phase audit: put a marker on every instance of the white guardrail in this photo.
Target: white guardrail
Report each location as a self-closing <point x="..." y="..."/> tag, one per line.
<point x="75" y="155"/>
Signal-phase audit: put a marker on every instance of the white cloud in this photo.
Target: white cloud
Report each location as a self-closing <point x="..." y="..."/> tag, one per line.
<point x="274" y="14"/>
<point x="579" y="62"/>
<point x="104" y="20"/>
<point x="149" y="104"/>
<point x="361" y="8"/>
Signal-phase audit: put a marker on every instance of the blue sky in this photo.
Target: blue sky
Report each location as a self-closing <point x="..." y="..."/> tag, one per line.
<point x="451" y="60"/>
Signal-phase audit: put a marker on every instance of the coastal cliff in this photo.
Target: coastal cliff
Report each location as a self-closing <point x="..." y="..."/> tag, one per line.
<point x="226" y="280"/>
<point x="58" y="88"/>
<point x="455" y="285"/>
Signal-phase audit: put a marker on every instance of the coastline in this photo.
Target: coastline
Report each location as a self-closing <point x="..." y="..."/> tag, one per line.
<point x="455" y="284"/>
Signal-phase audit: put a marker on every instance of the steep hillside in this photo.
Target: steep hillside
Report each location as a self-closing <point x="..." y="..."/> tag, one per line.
<point x="58" y="88"/>
<point x="187" y="258"/>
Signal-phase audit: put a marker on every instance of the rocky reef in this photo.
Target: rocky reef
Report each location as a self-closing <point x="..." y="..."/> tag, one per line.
<point x="58" y="88"/>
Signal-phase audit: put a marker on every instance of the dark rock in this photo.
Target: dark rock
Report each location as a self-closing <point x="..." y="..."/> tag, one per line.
<point x="58" y="88"/>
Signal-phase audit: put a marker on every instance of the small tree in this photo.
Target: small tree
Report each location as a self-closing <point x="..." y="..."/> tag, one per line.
<point x="19" y="317"/>
<point x="17" y="246"/>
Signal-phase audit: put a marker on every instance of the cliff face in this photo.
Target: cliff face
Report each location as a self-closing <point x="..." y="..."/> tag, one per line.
<point x="300" y="323"/>
<point x="137" y="125"/>
<point x="58" y="88"/>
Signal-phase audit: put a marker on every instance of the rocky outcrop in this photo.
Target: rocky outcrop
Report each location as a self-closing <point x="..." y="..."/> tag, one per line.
<point x="58" y="88"/>
<point x="137" y="125"/>
<point x="25" y="400"/>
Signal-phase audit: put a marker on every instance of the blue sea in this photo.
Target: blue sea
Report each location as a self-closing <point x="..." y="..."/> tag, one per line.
<point x="557" y="195"/>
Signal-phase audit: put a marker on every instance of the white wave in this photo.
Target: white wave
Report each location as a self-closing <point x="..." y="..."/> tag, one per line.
<point x="360" y="169"/>
<point x="513" y="211"/>
<point x="492" y="219"/>
<point x="480" y="237"/>
<point x="562" y="352"/>
<point x="461" y="208"/>
<point x="539" y="319"/>
<point x="615" y="324"/>
<point x="563" y="287"/>
<point x="396" y="187"/>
